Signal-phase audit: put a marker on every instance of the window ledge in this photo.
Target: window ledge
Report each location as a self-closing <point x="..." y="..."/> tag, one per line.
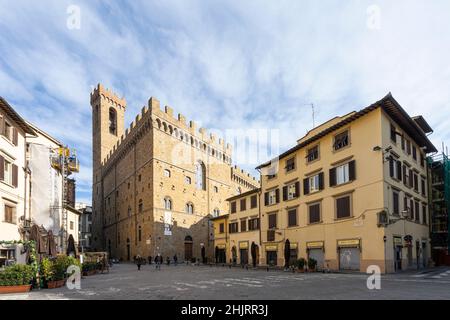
<point x="344" y="218"/>
<point x="343" y="184"/>
<point x="9" y="141"/>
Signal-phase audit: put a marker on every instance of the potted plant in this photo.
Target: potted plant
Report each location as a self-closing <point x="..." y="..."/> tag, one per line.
<point x="312" y="264"/>
<point x="46" y="271"/>
<point x="301" y="264"/>
<point x="16" y="279"/>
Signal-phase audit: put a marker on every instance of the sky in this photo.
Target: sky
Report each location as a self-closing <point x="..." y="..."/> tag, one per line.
<point x="228" y="65"/>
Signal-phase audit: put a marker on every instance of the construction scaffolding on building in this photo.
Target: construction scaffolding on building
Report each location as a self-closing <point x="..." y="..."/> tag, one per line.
<point x="439" y="207"/>
<point x="66" y="162"/>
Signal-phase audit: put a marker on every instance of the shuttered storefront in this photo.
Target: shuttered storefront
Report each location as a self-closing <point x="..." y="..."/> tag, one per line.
<point x="243" y="250"/>
<point x="271" y="255"/>
<point x="349" y="254"/>
<point x="315" y="251"/>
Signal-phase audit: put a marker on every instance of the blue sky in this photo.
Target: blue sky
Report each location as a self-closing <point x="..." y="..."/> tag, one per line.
<point x="226" y="64"/>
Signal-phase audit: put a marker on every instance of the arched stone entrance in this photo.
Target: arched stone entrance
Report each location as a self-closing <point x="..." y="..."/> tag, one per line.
<point x="188" y="248"/>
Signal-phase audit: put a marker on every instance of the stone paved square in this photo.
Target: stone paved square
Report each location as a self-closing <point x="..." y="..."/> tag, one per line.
<point x="222" y="283"/>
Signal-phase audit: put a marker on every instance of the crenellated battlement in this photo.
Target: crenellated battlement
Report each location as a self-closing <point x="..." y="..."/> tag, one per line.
<point x="167" y="117"/>
<point x="244" y="178"/>
<point x="176" y="126"/>
<point x="109" y="95"/>
<point x="143" y="119"/>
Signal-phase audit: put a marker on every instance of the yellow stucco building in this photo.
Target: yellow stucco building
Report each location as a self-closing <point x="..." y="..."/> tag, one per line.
<point x="237" y="237"/>
<point x="352" y="193"/>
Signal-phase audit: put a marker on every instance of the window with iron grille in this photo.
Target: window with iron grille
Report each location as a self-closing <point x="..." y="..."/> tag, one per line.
<point x="341" y="140"/>
<point x="290" y="164"/>
<point x="313" y="154"/>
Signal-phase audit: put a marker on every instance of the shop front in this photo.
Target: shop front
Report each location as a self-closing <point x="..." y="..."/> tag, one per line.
<point x="271" y="255"/>
<point x="316" y="251"/>
<point x="349" y="254"/>
<point x="243" y="252"/>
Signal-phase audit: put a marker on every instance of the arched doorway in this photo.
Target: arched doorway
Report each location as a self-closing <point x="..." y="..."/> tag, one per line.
<point x="234" y="255"/>
<point x="188" y="248"/>
<point x="128" y="250"/>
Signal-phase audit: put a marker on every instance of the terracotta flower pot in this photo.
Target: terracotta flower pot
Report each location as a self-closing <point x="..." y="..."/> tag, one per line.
<point x="15" y="289"/>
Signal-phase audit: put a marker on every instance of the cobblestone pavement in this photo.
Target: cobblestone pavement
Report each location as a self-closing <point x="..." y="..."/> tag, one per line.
<point x="211" y="283"/>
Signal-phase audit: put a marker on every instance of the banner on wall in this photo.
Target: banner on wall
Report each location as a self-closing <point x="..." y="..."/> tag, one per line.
<point x="167" y="223"/>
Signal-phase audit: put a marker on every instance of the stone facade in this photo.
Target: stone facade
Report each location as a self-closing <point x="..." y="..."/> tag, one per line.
<point x="156" y="184"/>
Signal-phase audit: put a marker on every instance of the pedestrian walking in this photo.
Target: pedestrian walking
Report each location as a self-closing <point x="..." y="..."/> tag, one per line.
<point x="175" y="260"/>
<point x="138" y="262"/>
<point x="158" y="261"/>
<point x="168" y="261"/>
<point x="150" y="260"/>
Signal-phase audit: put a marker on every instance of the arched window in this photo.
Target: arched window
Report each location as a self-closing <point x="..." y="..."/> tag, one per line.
<point x="112" y="121"/>
<point x="140" y="206"/>
<point x="167" y="203"/>
<point x="200" y="175"/>
<point x="216" y="212"/>
<point x="216" y="189"/>
<point x="189" y="208"/>
<point x="167" y="173"/>
<point x="140" y="234"/>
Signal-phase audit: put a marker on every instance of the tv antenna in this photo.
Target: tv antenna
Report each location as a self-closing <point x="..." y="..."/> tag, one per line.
<point x="313" y="113"/>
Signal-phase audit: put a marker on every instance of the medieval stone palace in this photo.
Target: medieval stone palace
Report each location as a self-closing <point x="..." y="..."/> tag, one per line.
<point x="157" y="183"/>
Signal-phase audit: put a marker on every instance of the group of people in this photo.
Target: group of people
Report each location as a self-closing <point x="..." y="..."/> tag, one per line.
<point x="158" y="261"/>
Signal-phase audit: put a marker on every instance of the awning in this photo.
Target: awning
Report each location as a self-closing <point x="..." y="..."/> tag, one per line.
<point x="351" y="243"/>
<point x="315" y="245"/>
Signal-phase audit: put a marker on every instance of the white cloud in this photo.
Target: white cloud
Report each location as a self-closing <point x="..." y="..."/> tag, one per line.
<point x="252" y="64"/>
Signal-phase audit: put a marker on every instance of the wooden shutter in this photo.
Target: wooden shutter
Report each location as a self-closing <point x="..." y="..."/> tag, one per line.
<point x="321" y="181"/>
<point x="285" y="193"/>
<point x="277" y="195"/>
<point x="2" y="168"/>
<point x="399" y="170"/>
<point x="266" y="199"/>
<point x="297" y="189"/>
<point x="352" y="170"/>
<point x="332" y="177"/>
<point x="15" y="176"/>
<point x="404" y="176"/>
<point x="391" y="167"/>
<point x="306" y="186"/>
<point x="2" y="126"/>
<point x="411" y="178"/>
<point x="15" y="137"/>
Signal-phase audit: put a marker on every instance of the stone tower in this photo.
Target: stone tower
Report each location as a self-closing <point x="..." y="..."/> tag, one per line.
<point x="108" y="123"/>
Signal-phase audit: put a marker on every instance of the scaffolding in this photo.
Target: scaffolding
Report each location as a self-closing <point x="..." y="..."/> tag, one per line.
<point x="440" y="202"/>
<point x="66" y="162"/>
